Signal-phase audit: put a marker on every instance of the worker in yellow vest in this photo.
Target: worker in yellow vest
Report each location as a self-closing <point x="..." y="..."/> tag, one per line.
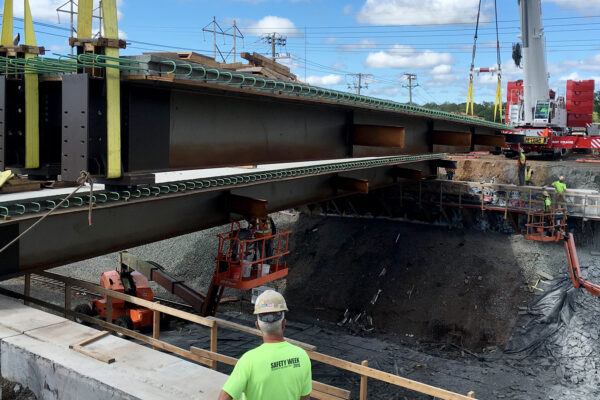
<point x="560" y="188"/>
<point x="528" y="175"/>
<point x="547" y="201"/>
<point x="522" y="163"/>
<point x="265" y="227"/>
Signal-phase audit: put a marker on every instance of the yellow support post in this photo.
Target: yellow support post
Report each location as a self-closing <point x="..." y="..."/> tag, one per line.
<point x="498" y="99"/>
<point x="84" y="19"/>
<point x="113" y="94"/>
<point x="470" y="96"/>
<point x="32" y="100"/>
<point x="7" y="24"/>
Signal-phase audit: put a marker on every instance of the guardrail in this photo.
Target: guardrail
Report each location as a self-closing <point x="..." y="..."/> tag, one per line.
<point x="211" y="356"/>
<point x="497" y="197"/>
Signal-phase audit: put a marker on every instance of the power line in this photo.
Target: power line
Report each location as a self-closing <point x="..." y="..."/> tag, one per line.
<point x="359" y="81"/>
<point x="411" y="77"/>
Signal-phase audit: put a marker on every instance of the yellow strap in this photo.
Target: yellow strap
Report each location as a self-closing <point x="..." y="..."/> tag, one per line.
<point x="7" y="24"/>
<point x="498" y="99"/>
<point x="32" y="103"/>
<point x="470" y="96"/>
<point x="84" y="19"/>
<point x="113" y="93"/>
<point x="5" y="176"/>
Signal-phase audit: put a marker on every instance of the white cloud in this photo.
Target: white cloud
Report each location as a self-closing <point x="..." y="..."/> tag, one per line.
<point x="402" y="56"/>
<point x="441" y="69"/>
<point x="45" y="10"/>
<point x="363" y="44"/>
<point x="423" y="12"/>
<point x="339" y="65"/>
<point x="347" y="10"/>
<point x="587" y="7"/>
<point x="271" y="23"/>
<point x="326" y="80"/>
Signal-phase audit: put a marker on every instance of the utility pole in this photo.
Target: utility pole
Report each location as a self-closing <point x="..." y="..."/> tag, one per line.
<point x="358" y="80"/>
<point x="410" y="85"/>
<point x="216" y="30"/>
<point x="274" y="39"/>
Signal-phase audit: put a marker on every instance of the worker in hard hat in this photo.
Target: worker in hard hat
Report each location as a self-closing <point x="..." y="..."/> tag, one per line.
<point x="450" y="173"/>
<point x="265" y="227"/>
<point x="528" y="176"/>
<point x="522" y="163"/>
<point x="547" y="201"/>
<point x="560" y="188"/>
<point x="276" y="369"/>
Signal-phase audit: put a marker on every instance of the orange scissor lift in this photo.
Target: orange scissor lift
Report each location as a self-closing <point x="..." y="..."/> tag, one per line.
<point x="551" y="227"/>
<point x="245" y="261"/>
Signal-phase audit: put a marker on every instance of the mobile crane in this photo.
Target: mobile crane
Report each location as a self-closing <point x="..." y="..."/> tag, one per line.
<point x="544" y="122"/>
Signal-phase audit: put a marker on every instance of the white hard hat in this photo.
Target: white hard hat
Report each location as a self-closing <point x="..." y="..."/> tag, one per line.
<point x="270" y="301"/>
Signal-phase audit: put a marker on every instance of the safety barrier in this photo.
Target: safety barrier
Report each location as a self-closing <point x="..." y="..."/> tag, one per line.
<point x="497" y="197"/>
<point x="211" y="356"/>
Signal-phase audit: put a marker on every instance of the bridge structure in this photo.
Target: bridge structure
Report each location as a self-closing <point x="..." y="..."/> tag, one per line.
<point x="165" y="138"/>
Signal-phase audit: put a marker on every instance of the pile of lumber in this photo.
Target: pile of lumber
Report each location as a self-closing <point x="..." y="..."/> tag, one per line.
<point x="257" y="64"/>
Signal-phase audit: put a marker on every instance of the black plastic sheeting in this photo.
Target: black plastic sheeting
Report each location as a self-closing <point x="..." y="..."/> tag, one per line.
<point x="550" y="311"/>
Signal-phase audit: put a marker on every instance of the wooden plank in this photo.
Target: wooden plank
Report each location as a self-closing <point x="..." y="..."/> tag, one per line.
<point x="337" y="392"/>
<point x="256" y="332"/>
<point x="27" y="287"/>
<point x="545" y="275"/>
<point x="379" y="136"/>
<point x="91" y="339"/>
<point x="14" y="187"/>
<point x="132" y="299"/>
<point x="155" y="325"/>
<point x="214" y="356"/>
<point x="95" y="321"/>
<point x="213" y="343"/>
<point x="363" y="382"/>
<point x="387" y="377"/>
<point x="262" y="61"/>
<point x="93" y="354"/>
<point x="235" y="65"/>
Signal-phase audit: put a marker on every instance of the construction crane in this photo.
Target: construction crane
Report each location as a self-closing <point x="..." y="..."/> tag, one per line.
<point x="551" y="227"/>
<point x="544" y="122"/>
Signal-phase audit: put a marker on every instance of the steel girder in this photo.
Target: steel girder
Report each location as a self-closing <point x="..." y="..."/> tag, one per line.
<point x="65" y="236"/>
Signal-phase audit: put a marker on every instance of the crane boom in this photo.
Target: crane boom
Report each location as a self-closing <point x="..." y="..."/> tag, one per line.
<point x="535" y="70"/>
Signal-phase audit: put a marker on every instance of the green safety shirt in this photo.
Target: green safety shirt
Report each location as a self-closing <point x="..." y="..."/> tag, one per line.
<point x="547" y="204"/>
<point x="521" y="159"/>
<point x="278" y="371"/>
<point x="559" y="186"/>
<point x="528" y="173"/>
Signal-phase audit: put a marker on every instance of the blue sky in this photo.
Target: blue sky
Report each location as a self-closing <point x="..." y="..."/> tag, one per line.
<point x="328" y="39"/>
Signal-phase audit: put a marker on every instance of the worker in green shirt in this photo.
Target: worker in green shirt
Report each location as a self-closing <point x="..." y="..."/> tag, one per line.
<point x="275" y="370"/>
<point x="560" y="188"/>
<point x="547" y="201"/>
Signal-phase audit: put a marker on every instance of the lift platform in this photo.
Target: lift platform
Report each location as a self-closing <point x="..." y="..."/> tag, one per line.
<point x="246" y="260"/>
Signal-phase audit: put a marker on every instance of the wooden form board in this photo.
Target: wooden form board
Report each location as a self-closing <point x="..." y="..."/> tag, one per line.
<point x="79" y="347"/>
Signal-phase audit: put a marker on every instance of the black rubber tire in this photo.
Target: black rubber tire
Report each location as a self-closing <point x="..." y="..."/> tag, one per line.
<point x="124" y="322"/>
<point x="83" y="309"/>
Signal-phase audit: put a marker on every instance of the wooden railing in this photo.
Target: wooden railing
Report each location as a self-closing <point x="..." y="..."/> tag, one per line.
<point x="497" y="197"/>
<point x="211" y="356"/>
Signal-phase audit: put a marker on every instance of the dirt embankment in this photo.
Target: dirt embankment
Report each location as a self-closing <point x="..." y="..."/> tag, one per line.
<point x="498" y="169"/>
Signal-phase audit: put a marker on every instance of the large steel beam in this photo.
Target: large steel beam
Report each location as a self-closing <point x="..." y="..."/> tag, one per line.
<point x="65" y="236"/>
<point x="379" y="136"/>
<point x="489" y="140"/>
<point x="448" y="138"/>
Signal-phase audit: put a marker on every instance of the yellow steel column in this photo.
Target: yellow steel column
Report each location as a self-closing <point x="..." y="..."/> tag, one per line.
<point x="32" y="103"/>
<point x="113" y="94"/>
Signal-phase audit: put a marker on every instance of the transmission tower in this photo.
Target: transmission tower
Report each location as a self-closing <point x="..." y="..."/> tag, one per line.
<point x="359" y="81"/>
<point x="214" y="28"/>
<point x="410" y="85"/>
<point x="275" y="39"/>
